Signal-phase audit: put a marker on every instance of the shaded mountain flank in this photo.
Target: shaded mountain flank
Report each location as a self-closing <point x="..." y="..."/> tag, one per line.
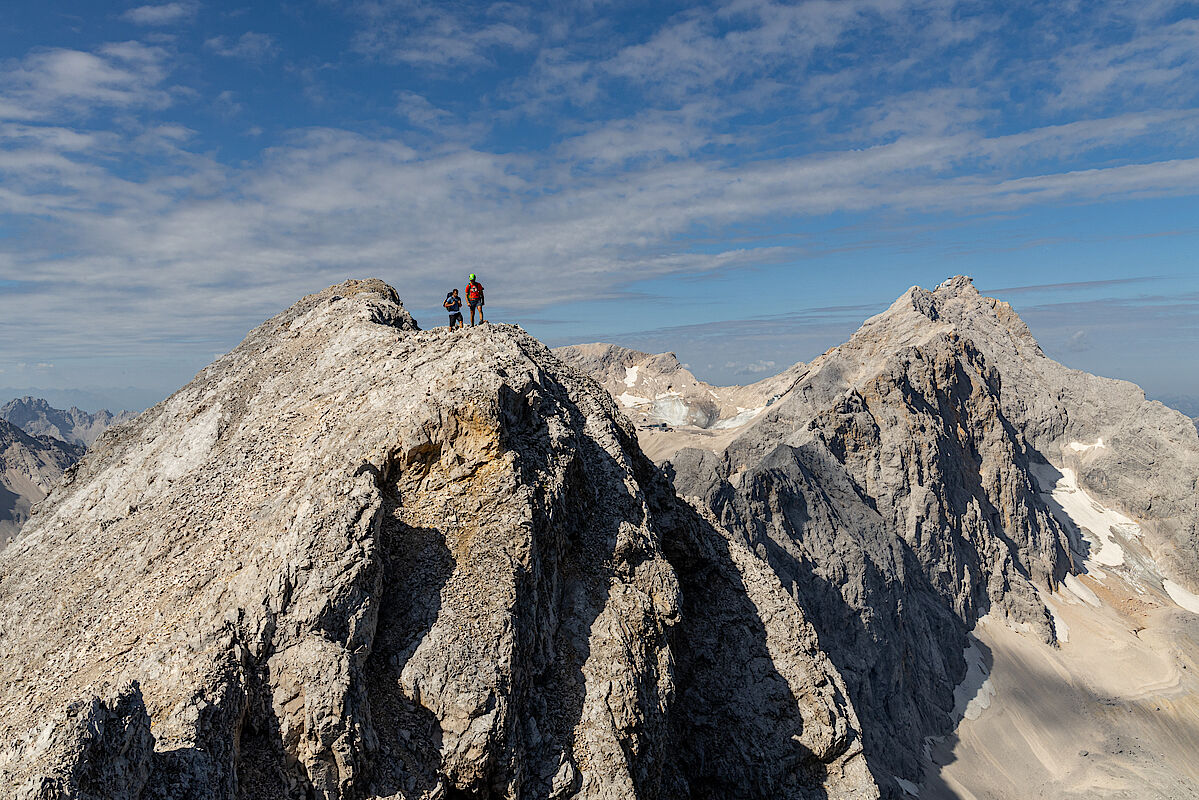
<point x="38" y="418"/>
<point x="353" y="559"/>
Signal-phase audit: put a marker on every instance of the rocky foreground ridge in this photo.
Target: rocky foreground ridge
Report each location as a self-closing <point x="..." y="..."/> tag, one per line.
<point x="353" y="559"/>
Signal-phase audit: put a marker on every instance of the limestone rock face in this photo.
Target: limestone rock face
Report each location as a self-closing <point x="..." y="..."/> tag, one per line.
<point x="1136" y="455"/>
<point x="353" y="559"/>
<point x="893" y="489"/>
<point x="97" y="750"/>
<point x="890" y="491"/>
<point x="38" y="418"/>
<point x="29" y="468"/>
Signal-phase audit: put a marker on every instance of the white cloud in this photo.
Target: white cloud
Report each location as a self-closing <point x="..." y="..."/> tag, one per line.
<point x="1078" y="342"/>
<point x="249" y="46"/>
<point x="164" y="14"/>
<point x="226" y="104"/>
<point x="432" y="34"/>
<point x="51" y="82"/>
<point x="751" y="368"/>
<point x="207" y="247"/>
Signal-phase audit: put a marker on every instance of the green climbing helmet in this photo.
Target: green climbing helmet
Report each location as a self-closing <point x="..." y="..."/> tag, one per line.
<point x="472" y="276"/>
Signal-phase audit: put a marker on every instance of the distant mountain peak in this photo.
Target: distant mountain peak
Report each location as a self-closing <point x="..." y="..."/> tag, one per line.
<point x="36" y="416"/>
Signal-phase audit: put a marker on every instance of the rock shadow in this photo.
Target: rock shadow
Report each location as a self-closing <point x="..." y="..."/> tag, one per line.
<point x="415" y="565"/>
<point x="576" y="533"/>
<point x="881" y="623"/>
<point x="735" y="723"/>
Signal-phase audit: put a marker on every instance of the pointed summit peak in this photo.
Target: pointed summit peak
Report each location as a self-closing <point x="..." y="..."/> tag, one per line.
<point x="914" y="299"/>
<point x="957" y="285"/>
<point x="927" y="303"/>
<point x="371" y="299"/>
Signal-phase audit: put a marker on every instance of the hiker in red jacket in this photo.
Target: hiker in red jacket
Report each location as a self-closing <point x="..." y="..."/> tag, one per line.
<point x="474" y="299"/>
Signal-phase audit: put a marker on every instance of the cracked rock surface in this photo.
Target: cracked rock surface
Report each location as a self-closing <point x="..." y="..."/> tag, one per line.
<point x="352" y="559"/>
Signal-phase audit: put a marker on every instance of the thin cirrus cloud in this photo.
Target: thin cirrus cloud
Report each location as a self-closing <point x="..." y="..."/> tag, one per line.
<point x="574" y="155"/>
<point x="249" y="46"/>
<point x="162" y="14"/>
<point x="432" y="34"/>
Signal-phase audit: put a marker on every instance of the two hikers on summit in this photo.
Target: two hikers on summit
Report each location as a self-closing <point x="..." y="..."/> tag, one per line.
<point x="474" y="299"/>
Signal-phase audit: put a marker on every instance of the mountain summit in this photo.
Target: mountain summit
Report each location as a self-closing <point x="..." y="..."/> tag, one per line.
<point x="353" y="559"/>
<point x="936" y="483"/>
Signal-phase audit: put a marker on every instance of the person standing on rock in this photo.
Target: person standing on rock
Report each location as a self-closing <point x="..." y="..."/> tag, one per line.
<point x="474" y="299"/>
<point x="453" y="304"/>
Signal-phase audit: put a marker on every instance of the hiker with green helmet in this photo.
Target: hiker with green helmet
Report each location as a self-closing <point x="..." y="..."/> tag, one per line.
<point x="474" y="299"/>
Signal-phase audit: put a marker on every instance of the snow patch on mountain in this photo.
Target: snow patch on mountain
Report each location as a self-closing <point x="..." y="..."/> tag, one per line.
<point x="1184" y="599"/>
<point x="631" y="400"/>
<point x="973" y="695"/>
<point x="1081" y="591"/>
<point x="1098" y="524"/>
<point x="744" y="415"/>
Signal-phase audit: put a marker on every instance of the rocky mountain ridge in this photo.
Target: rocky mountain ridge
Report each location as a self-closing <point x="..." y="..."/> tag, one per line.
<point x="355" y="559"/>
<point x="37" y="417"/>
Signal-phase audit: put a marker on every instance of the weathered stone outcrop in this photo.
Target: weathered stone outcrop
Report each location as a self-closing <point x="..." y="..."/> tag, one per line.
<point x="353" y="559"/>
<point x="99" y="749"/>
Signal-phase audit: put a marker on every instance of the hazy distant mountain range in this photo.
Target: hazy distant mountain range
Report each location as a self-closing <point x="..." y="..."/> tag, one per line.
<point x="88" y="399"/>
<point x="36" y="416"/>
<point x="29" y="468"/>
<point x="37" y="443"/>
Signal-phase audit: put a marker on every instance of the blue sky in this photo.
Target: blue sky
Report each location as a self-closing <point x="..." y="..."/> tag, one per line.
<point x="741" y="182"/>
